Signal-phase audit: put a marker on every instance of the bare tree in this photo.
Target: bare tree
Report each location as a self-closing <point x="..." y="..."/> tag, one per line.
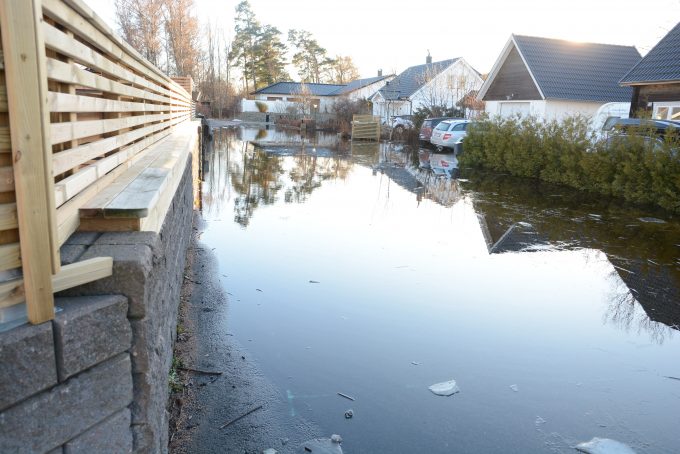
<point x="182" y="28"/>
<point x="141" y="23"/>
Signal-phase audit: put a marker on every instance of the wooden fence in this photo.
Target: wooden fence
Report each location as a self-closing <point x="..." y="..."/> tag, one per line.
<point x="365" y="127"/>
<point x="78" y="106"/>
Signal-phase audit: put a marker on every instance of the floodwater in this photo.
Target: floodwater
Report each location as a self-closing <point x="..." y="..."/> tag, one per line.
<point x="368" y="270"/>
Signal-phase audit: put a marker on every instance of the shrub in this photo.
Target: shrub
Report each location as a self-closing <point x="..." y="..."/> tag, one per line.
<point x="635" y="167"/>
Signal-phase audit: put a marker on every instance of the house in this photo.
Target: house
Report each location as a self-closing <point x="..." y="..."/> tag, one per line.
<point x="655" y="80"/>
<point x="554" y="78"/>
<point x="281" y="96"/>
<point x="441" y="84"/>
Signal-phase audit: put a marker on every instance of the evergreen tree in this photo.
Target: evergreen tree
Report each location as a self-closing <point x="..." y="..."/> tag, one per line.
<point x="310" y="59"/>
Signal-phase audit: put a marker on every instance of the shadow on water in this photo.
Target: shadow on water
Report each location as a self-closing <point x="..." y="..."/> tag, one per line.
<point x="539" y="244"/>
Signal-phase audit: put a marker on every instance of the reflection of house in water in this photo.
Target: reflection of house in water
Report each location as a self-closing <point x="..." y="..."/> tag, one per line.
<point x="654" y="286"/>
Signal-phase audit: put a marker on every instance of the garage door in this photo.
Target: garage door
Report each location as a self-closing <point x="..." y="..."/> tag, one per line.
<point x="509" y="109"/>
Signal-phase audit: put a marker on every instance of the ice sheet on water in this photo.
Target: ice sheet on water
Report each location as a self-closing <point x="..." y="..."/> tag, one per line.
<point x="322" y="445"/>
<point x="604" y="446"/>
<point x="447" y="388"/>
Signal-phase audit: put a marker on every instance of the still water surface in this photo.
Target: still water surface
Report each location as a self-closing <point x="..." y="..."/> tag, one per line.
<point x="367" y="270"/>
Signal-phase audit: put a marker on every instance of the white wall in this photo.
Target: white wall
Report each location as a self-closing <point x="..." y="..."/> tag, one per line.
<point x="550" y="109"/>
<point x="248" y="105"/>
<point x="448" y="87"/>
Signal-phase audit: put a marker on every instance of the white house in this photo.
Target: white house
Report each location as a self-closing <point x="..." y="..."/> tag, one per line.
<point x="321" y="97"/>
<point x="553" y="79"/>
<point x="442" y="83"/>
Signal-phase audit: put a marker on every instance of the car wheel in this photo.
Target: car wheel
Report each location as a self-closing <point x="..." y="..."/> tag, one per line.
<point x="440" y="149"/>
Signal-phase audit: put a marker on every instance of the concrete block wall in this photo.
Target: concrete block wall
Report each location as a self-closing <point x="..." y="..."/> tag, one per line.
<point x="148" y="270"/>
<point x="95" y="379"/>
<point x="64" y="380"/>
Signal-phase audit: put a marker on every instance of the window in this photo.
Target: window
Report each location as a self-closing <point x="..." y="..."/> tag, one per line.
<point x="443" y="126"/>
<point x="459" y="127"/>
<point x="661" y="113"/>
<point x="274" y="98"/>
<point x="675" y="113"/>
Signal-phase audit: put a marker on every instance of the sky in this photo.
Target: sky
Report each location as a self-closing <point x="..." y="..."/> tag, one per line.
<point x="395" y="35"/>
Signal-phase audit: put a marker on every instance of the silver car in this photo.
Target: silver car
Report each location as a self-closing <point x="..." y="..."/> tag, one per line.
<point x="449" y="134"/>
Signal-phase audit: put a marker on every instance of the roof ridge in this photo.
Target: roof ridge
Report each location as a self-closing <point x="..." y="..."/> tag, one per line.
<point x="571" y="41"/>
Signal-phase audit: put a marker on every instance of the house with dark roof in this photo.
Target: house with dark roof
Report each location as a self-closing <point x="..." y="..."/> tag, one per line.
<point x="655" y="80"/>
<point x="440" y="84"/>
<point x="321" y="97"/>
<point x="554" y="78"/>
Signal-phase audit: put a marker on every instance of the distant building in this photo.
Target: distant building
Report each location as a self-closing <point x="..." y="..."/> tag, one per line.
<point x="281" y="96"/>
<point x="443" y="83"/>
<point x="655" y="79"/>
<point x="553" y="78"/>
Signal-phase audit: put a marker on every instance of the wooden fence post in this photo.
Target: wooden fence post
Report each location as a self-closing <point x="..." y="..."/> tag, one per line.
<point x="24" y="55"/>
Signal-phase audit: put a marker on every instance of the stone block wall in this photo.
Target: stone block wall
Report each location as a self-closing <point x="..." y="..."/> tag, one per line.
<point x="64" y="380"/>
<point x="148" y="269"/>
<point x="95" y="379"/>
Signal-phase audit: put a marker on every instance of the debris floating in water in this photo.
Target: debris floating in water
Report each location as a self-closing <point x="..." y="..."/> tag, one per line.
<point x="447" y="388"/>
<point x="346" y="396"/>
<point x="269" y="451"/>
<point x="258" y="289"/>
<point x="652" y="220"/>
<point x="314" y="282"/>
<point x="415" y="363"/>
<point x="604" y="446"/>
<point x="539" y="421"/>
<point x="349" y="414"/>
<point x="514" y="388"/>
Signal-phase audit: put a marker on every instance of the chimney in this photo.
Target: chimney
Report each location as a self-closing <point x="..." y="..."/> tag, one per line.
<point x="380" y="73"/>
<point x="428" y="59"/>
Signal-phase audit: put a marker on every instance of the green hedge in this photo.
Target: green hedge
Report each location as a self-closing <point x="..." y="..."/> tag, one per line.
<point x="566" y="153"/>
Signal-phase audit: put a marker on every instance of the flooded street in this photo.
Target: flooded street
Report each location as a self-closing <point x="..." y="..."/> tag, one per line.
<point x="367" y="270"/>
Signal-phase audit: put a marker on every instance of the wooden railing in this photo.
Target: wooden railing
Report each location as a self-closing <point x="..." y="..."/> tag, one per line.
<point x="365" y="127"/>
<point x="77" y="108"/>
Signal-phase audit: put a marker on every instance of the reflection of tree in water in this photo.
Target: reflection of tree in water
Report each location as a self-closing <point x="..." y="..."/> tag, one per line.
<point x="644" y="255"/>
<point x="256" y="181"/>
<point x="310" y="171"/>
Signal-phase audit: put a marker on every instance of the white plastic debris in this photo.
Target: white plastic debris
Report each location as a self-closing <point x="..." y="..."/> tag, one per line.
<point x="447" y="388"/>
<point x="514" y="388"/>
<point x="539" y="421"/>
<point x="604" y="446"/>
<point x="335" y="438"/>
<point x="269" y="451"/>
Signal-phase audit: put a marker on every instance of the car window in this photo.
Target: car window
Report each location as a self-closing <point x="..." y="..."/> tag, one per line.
<point x="459" y="127"/>
<point x="443" y="126"/>
<point x="427" y="124"/>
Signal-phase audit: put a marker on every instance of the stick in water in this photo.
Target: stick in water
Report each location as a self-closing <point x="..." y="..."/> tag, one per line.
<point x="346" y="396"/>
<point x="240" y="417"/>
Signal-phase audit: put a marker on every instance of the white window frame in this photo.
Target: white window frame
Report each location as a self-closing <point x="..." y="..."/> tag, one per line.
<point x="669" y="105"/>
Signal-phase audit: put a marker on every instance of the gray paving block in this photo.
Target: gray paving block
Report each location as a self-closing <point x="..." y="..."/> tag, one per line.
<point x="89" y="330"/>
<point x="27" y="363"/>
<point x="132" y="265"/>
<point x="113" y="435"/>
<point x="83" y="238"/>
<point x="50" y="419"/>
<point x="70" y="253"/>
<point x="150" y="239"/>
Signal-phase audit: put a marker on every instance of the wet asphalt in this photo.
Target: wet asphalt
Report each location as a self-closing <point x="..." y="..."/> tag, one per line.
<point x="240" y="394"/>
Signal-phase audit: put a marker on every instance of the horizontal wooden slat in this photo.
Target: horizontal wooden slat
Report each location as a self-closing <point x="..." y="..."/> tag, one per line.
<point x="107" y="42"/>
<point x="64" y="44"/>
<point x="64" y="102"/>
<point x="62" y="132"/>
<point x="69" y="276"/>
<point x="8" y="216"/>
<point x="71" y="186"/>
<point x="5" y="143"/>
<point x="63" y="72"/>
<point x="10" y="256"/>
<point x="6" y="179"/>
<point x="3" y="98"/>
<point x="74" y="157"/>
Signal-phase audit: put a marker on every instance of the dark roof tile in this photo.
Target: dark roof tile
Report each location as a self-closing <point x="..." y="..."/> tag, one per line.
<point x="578" y="71"/>
<point x="661" y="64"/>
<point x="411" y="79"/>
